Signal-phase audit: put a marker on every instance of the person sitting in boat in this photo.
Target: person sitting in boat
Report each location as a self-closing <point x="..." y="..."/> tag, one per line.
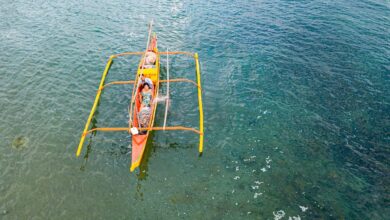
<point x="150" y="60"/>
<point x="143" y="80"/>
<point x="144" y="118"/>
<point x="144" y="112"/>
<point x="146" y="95"/>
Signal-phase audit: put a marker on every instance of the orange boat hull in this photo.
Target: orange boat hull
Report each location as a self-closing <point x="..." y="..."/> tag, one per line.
<point x="139" y="140"/>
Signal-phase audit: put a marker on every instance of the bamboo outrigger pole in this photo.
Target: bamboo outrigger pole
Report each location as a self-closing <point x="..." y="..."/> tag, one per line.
<point x="200" y="103"/>
<point x="99" y="92"/>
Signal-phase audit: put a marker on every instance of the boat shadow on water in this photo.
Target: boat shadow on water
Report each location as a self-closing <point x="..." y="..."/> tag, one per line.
<point x="143" y="168"/>
<point x="89" y="146"/>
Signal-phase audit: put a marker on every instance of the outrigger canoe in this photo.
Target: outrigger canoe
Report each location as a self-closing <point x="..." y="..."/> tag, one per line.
<point x="139" y="139"/>
<point x="138" y="131"/>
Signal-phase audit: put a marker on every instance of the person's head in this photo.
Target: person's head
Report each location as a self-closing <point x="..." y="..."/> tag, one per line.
<point x="150" y="58"/>
<point x="146" y="86"/>
<point x="142" y="76"/>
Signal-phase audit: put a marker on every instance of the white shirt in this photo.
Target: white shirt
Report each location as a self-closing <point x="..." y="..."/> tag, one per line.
<point x="147" y="80"/>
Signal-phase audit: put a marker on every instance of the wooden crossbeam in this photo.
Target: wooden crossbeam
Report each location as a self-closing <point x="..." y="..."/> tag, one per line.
<point x="177" y="53"/>
<point x="160" y="53"/>
<point x="161" y="81"/>
<point x="118" y="83"/>
<point x="173" y="128"/>
<point x="126" y="54"/>
<point x="180" y="80"/>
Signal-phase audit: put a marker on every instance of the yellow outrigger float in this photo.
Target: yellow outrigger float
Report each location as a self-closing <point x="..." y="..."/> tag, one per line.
<point x="139" y="132"/>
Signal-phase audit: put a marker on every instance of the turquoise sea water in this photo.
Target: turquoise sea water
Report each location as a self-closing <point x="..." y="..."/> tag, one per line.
<point x="296" y="100"/>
